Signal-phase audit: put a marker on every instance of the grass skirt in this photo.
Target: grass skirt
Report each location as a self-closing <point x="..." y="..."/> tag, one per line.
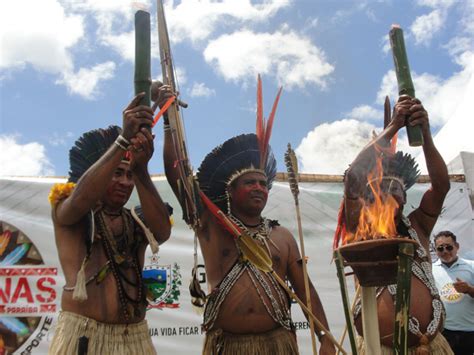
<point x="117" y="339"/>
<point x="438" y="346"/>
<point x="275" y="342"/>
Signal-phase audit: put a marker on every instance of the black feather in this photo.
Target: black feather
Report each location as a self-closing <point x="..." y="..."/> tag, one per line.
<point x="234" y="155"/>
<point x="89" y="148"/>
<point x="403" y="166"/>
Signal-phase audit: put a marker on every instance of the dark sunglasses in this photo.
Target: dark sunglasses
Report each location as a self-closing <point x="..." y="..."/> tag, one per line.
<point x="441" y="248"/>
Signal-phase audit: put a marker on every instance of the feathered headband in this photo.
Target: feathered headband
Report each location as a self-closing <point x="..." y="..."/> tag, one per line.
<point x="239" y="155"/>
<point x="89" y="148"/>
<point x="401" y="166"/>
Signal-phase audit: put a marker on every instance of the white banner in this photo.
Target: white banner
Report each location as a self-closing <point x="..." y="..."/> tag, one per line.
<point x="31" y="277"/>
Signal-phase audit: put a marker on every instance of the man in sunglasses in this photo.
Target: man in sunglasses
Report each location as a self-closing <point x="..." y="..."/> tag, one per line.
<point x="454" y="277"/>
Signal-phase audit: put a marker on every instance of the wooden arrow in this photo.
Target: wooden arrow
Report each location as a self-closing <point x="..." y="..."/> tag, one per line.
<point x="292" y="166"/>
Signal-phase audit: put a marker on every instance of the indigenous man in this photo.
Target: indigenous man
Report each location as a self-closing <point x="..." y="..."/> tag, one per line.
<point x="247" y="312"/>
<point x="101" y="244"/>
<point x="399" y="174"/>
<point x="454" y="278"/>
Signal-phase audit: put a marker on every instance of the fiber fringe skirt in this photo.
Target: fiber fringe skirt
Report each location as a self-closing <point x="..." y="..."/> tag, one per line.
<point x="117" y="339"/>
<point x="438" y="346"/>
<point x="275" y="342"/>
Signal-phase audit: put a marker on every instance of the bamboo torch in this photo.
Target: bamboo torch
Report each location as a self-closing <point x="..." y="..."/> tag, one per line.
<point x="292" y="167"/>
<point x="142" y="77"/>
<point x="405" y="84"/>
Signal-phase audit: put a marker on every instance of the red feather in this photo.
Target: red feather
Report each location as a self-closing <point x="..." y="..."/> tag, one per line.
<point x="341" y="227"/>
<point x="268" y="130"/>
<point x="260" y="131"/>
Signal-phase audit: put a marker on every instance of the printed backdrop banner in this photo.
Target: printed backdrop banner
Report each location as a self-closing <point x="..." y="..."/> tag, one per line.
<point x="31" y="278"/>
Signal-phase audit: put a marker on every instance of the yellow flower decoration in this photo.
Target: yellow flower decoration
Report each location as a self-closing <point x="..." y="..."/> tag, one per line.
<point x="60" y="191"/>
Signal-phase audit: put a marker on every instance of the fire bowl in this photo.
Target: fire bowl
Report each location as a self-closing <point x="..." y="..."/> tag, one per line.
<point x="374" y="262"/>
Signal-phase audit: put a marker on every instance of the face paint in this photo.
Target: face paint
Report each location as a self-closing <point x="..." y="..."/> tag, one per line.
<point x="250" y="192"/>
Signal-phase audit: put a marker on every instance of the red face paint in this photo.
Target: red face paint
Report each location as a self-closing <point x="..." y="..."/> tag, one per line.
<point x="250" y="193"/>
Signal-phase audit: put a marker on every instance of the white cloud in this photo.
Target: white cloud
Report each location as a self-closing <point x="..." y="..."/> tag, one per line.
<point x="201" y="90"/>
<point x="440" y="97"/>
<point x="23" y="159"/>
<point x="292" y="58"/>
<point x="57" y="139"/>
<point x="38" y="33"/>
<point x="459" y="45"/>
<point x="426" y="26"/>
<point x="310" y="24"/>
<point x="385" y="44"/>
<point x="122" y="43"/>
<point x="343" y="16"/>
<point x="456" y="135"/>
<point x="365" y="112"/>
<point x="199" y="19"/>
<point x="44" y="34"/>
<point x="335" y="145"/>
<point x="180" y="75"/>
<point x="436" y="3"/>
<point x="330" y="147"/>
<point x="85" y="81"/>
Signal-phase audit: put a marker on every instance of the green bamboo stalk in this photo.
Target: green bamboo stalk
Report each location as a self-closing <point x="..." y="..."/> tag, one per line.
<point x="405" y="84"/>
<point x="406" y="251"/>
<point x="345" y="300"/>
<point x="142" y="78"/>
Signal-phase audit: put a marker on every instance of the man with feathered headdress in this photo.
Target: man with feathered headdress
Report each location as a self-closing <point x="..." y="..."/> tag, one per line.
<point x="101" y="244"/>
<point x="247" y="311"/>
<point x="394" y="174"/>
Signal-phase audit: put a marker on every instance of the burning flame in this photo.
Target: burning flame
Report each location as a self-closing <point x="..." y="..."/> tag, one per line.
<point x="377" y="217"/>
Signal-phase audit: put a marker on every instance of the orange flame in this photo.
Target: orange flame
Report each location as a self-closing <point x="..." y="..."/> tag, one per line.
<point x="377" y="217"/>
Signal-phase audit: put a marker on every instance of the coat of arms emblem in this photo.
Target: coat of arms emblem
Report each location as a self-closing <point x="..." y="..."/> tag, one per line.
<point x="162" y="284"/>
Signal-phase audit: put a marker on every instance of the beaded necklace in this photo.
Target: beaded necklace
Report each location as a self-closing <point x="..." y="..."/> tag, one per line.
<point x="121" y="252"/>
<point x="278" y="308"/>
<point x="260" y="234"/>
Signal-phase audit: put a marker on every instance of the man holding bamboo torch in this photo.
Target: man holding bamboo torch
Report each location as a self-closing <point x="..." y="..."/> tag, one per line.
<point x="380" y="174"/>
<point x="101" y="244"/>
<point x="246" y="255"/>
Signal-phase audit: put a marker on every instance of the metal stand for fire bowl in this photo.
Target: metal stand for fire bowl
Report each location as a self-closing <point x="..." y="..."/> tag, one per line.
<point x="376" y="263"/>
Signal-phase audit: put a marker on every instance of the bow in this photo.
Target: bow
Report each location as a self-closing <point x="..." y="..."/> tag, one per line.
<point x="187" y="186"/>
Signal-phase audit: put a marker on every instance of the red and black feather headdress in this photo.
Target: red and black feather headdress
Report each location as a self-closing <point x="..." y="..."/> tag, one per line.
<point x="239" y="155"/>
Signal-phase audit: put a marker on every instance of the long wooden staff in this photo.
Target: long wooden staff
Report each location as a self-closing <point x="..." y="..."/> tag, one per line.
<point x="292" y="167"/>
<point x="188" y="191"/>
<point x="260" y="258"/>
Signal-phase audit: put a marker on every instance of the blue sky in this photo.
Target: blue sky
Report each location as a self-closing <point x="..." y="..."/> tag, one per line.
<point x="66" y="66"/>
